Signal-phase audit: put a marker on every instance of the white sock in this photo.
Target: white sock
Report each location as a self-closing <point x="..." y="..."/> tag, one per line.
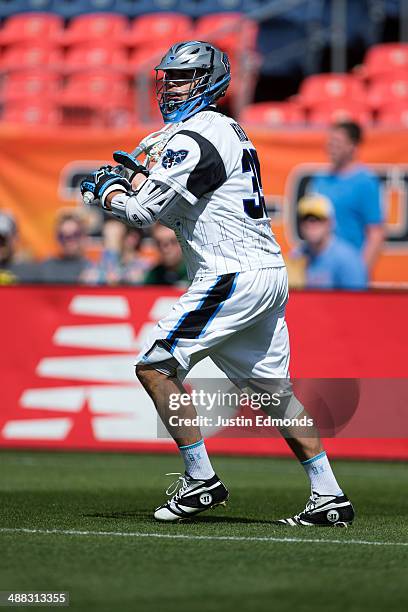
<point x="321" y="475"/>
<point x="196" y="460"/>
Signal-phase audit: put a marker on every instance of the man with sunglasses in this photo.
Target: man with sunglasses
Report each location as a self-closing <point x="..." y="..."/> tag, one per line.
<point x="206" y="186"/>
<point x="70" y="262"/>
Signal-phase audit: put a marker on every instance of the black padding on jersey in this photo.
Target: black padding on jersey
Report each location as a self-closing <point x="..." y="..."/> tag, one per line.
<point x="193" y="323"/>
<point x="209" y="174"/>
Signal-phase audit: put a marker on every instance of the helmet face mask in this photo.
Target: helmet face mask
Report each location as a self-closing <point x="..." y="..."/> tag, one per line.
<point x="173" y="89"/>
<point x="190" y="77"/>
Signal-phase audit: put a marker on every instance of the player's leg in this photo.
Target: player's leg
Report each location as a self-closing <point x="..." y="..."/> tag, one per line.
<point x="178" y="340"/>
<point x="162" y="386"/>
<point x="260" y="357"/>
<point x="200" y="488"/>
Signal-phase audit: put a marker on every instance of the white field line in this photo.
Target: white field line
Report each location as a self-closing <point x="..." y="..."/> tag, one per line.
<point x="169" y="536"/>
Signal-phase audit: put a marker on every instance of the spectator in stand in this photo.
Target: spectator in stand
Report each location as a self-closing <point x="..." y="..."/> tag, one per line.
<point x="122" y="260"/>
<point x="13" y="269"/>
<point x="70" y="263"/>
<point x="354" y="191"/>
<point x="171" y="269"/>
<point x="329" y="261"/>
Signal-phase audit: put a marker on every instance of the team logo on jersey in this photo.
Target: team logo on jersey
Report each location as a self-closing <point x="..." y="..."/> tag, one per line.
<point x="172" y="158"/>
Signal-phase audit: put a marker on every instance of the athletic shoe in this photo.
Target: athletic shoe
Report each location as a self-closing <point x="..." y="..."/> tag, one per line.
<point x="190" y="496"/>
<point x="323" y="511"/>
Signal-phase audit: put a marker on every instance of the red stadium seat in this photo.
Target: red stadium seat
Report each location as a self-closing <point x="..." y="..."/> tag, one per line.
<point x="29" y="56"/>
<point x="96" y="84"/>
<point x="385" y="59"/>
<point x="28" y="83"/>
<point x="329" y="112"/>
<point x="96" y="97"/>
<point x="229" y="31"/>
<point x="31" y="28"/>
<point x="315" y="89"/>
<point x="140" y="66"/>
<point x="388" y="89"/>
<point x="31" y="112"/>
<point x="165" y="28"/>
<point x="95" y="27"/>
<point x="394" y="114"/>
<point x="272" y="114"/>
<point x="96" y="55"/>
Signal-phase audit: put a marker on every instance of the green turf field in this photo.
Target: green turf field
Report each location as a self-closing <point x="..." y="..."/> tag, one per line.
<point x="93" y="535"/>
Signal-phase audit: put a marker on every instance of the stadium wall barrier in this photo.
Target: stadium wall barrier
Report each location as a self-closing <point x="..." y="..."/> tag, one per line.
<point x="41" y="171"/>
<point x="68" y="381"/>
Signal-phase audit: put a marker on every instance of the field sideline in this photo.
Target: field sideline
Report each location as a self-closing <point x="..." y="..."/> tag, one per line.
<point x="82" y="523"/>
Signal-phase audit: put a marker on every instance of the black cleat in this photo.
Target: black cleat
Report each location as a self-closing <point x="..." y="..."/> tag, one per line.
<point x="322" y="511"/>
<point x="191" y="496"/>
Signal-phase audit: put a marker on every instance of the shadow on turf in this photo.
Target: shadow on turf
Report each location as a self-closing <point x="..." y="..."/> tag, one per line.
<point x="148" y="516"/>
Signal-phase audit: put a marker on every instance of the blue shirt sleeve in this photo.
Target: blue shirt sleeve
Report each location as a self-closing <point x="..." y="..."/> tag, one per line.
<point x="370" y="198"/>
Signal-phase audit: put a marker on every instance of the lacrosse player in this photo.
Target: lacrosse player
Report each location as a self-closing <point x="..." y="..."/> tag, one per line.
<point x="206" y="186"/>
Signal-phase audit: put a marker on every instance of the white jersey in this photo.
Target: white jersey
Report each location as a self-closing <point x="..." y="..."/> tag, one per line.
<point x="221" y="220"/>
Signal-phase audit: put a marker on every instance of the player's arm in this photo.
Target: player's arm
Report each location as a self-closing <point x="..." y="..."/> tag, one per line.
<point x="140" y="208"/>
<point x="145" y="206"/>
<point x="373" y="244"/>
<point x="373" y="218"/>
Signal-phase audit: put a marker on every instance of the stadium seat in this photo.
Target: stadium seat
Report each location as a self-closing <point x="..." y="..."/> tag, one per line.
<point x="317" y="88"/>
<point x="29" y="56"/>
<point x="385" y="59"/>
<point x="28" y="83"/>
<point x="145" y="59"/>
<point x="12" y="7"/>
<point x="98" y="55"/>
<point x="85" y="85"/>
<point x="167" y="28"/>
<point x="200" y="8"/>
<point x="30" y="28"/>
<point x="230" y="31"/>
<point x="135" y="8"/>
<point x="272" y="114"/>
<point x="101" y="5"/>
<point x="140" y="66"/>
<point x="388" y="89"/>
<point x="96" y="98"/>
<point x="95" y="27"/>
<point x="31" y="111"/>
<point x="394" y="115"/>
<point x="329" y="112"/>
<point x="73" y="8"/>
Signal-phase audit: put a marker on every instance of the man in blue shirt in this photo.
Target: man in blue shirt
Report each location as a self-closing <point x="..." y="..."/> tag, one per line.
<point x="330" y="262"/>
<point x="354" y="191"/>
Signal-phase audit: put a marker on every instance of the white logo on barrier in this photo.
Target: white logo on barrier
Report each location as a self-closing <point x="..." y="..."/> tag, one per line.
<point x="119" y="408"/>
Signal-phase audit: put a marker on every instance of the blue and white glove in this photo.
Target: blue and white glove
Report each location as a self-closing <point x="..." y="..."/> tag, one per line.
<point x="99" y="184"/>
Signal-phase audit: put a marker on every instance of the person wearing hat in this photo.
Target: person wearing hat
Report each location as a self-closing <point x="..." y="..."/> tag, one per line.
<point x="330" y="262"/>
<point x="11" y="269"/>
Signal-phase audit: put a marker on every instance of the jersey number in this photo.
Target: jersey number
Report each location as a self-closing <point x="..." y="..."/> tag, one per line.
<point x="254" y="207"/>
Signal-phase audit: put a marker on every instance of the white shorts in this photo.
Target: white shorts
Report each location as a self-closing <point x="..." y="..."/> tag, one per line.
<point x="238" y="320"/>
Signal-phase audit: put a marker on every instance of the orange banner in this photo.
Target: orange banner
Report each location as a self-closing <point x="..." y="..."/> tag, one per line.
<point x="40" y="171"/>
